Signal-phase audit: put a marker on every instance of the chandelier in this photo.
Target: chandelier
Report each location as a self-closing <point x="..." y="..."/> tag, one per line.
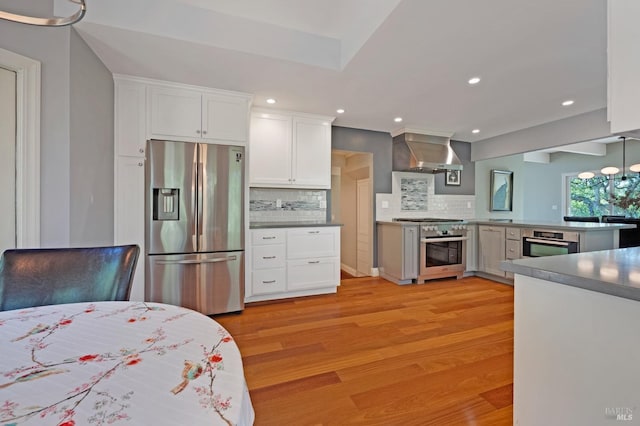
<point x="47" y="22"/>
<point x="622" y="191"/>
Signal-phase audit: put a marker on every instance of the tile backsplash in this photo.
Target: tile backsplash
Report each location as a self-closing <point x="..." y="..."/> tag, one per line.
<point x="413" y="196"/>
<point x="287" y="205"/>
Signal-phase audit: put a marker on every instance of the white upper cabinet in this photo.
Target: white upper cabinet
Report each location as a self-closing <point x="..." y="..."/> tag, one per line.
<point x="623" y="65"/>
<point x="289" y="150"/>
<point x="185" y="114"/>
<point x="270" y="149"/>
<point x="311" y="152"/>
<point x="129" y="120"/>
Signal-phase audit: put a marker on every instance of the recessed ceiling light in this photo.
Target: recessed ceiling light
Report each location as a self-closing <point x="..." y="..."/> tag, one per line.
<point x="271" y="101"/>
<point x="340" y="111"/>
<point x="567" y="102"/>
<point x="475" y="131"/>
<point x="474" y="80"/>
<point x="397" y="119"/>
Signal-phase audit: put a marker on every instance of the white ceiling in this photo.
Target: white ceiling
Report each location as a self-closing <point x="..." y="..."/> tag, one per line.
<point x="377" y="59"/>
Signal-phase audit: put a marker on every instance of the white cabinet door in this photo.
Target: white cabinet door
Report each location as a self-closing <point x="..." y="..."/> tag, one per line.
<point x="623" y="65"/>
<point x="312" y="273"/>
<point x="313" y="242"/>
<point x="311" y="153"/>
<point x="130" y="118"/>
<point x="225" y="118"/>
<point x="270" y="149"/>
<point x="175" y="113"/>
<point x="129" y="213"/>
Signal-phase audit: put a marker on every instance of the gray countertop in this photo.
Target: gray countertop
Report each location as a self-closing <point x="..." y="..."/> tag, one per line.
<point x="615" y="272"/>
<point x="568" y="226"/>
<point x="310" y="223"/>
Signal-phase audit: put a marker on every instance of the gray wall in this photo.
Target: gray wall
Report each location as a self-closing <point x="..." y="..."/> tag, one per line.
<point x="52" y="47"/>
<point x="467" y="177"/>
<point x="377" y="143"/>
<point x="512" y="163"/>
<point x="91" y="206"/>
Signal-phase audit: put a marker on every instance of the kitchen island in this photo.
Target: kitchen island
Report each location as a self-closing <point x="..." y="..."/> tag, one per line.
<point x="576" y="346"/>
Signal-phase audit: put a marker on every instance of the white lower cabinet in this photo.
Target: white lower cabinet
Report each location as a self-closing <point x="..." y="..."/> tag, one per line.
<point x="312" y="273"/>
<point x="291" y="262"/>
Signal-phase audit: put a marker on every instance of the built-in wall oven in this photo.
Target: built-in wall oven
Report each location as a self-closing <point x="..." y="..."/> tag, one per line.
<point x="540" y="242"/>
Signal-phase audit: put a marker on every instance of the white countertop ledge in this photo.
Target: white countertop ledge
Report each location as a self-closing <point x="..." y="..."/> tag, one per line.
<point x="614" y="272"/>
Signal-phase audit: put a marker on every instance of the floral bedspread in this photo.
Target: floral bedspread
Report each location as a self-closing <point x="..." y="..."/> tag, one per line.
<point x="119" y="363"/>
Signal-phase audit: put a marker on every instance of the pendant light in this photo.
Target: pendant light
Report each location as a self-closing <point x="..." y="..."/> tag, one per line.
<point x="47" y="22"/>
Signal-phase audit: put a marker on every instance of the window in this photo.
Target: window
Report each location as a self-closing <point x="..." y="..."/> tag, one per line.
<point x="600" y="196"/>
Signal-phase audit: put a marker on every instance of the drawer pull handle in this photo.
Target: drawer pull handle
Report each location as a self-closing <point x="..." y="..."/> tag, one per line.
<point x="268" y="282"/>
<point x="314" y="232"/>
<point x="268" y="238"/>
<point x="268" y="257"/>
<point x="314" y="261"/>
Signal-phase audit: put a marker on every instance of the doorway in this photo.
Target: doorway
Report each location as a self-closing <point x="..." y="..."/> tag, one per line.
<point x="7" y="159"/>
<point x="20" y="150"/>
<point x="352" y="206"/>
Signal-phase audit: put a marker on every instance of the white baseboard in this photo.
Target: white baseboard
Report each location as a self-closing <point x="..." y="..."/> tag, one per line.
<point x="348" y="269"/>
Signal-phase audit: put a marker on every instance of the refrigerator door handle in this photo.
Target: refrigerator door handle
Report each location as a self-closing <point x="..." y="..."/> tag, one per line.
<point x="195" y="262"/>
<point x="201" y="179"/>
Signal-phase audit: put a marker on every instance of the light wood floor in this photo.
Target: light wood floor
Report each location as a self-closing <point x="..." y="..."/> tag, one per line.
<point x="377" y="353"/>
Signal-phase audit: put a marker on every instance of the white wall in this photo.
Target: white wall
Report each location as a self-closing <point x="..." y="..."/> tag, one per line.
<point x="579" y="128"/>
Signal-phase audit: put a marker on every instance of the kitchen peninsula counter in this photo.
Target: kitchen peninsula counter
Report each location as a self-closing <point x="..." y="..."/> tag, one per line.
<point x="302" y="224"/>
<point x="565" y="226"/>
<point x="575" y="338"/>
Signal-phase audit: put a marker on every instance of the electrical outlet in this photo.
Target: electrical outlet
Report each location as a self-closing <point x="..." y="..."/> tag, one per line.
<point x="385" y="204"/>
<point x="554" y="207"/>
<point x="278" y="203"/>
<point x="323" y="204"/>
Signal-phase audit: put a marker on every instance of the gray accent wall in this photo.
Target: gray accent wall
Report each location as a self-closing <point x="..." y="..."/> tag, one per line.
<point x="467" y="176"/>
<point x="52" y="47"/>
<point x="377" y="143"/>
<point x="92" y="149"/>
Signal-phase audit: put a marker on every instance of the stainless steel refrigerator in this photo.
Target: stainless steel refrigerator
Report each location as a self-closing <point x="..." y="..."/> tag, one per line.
<point x="194" y="226"/>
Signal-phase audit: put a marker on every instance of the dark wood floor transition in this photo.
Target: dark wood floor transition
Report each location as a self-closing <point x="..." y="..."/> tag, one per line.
<point x="377" y="353"/>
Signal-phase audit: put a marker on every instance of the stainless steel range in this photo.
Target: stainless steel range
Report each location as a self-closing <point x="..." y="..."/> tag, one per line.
<point x="442" y="247"/>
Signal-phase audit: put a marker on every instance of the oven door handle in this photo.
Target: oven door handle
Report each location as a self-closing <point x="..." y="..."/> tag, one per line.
<point x="553" y="243"/>
<point x="442" y="240"/>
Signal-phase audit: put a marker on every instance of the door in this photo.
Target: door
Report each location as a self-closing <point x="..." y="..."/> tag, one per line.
<point x="220" y="195"/>
<point x="363" y="227"/>
<point x="7" y="159"/>
<point x="171" y="197"/>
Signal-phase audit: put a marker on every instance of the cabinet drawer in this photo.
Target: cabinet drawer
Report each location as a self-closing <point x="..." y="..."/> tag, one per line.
<point x="269" y="256"/>
<point x="264" y="281"/>
<point x="268" y="236"/>
<point x="513" y="233"/>
<point x="313" y="273"/>
<point x="514" y="249"/>
<point x="313" y="242"/>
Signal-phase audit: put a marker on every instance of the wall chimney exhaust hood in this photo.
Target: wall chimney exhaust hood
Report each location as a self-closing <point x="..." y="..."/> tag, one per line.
<point x="423" y="152"/>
